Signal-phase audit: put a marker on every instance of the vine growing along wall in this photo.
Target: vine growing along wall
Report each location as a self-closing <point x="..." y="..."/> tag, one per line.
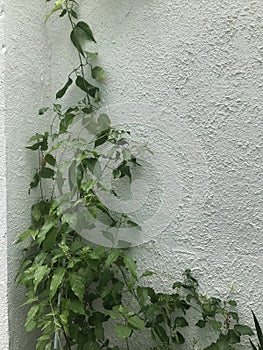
<point x="77" y="290"/>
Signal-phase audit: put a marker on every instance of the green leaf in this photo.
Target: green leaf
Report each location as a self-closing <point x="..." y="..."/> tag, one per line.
<point x="76" y="306"/>
<point x="233" y="337"/>
<point x="44" y="230"/>
<point x="142" y="294"/>
<point x="177" y="285"/>
<point x="30" y="325"/>
<point x="232" y="302"/>
<point x="85" y="86"/>
<point x="219" y="345"/>
<point x="50" y="159"/>
<point x="28" y="233"/>
<point x="43" y="110"/>
<point x="36" y="137"/>
<point x="93" y="166"/>
<point x="124" y="170"/>
<point x="86" y="30"/>
<point x="49" y="241"/>
<point x="96" y="95"/>
<point x="77" y="40"/>
<point x="104" y="121"/>
<point x="178" y="338"/>
<point x="99" y="332"/>
<point x="136" y="322"/>
<point x="65" y="122"/>
<point x="57" y="7"/>
<point x="80" y="34"/>
<point x="112" y="257"/>
<point x="130" y="265"/>
<point x="77" y="285"/>
<point x="35" y="147"/>
<point x="161" y="334"/>
<point x="42" y="342"/>
<point x="148" y="273"/>
<point x="131" y="223"/>
<point x="87" y="186"/>
<point x="101" y="140"/>
<point x="56" y="280"/>
<point x="91" y="55"/>
<point x="87" y="110"/>
<point x="180" y="322"/>
<point x="73" y="13"/>
<point x="234" y="316"/>
<point x="115" y="313"/>
<point x="98" y="73"/>
<point x="201" y="323"/>
<point x="62" y="92"/>
<point x="46" y="173"/>
<point x="123" y="331"/>
<point x="97" y="253"/>
<point x="39" y="210"/>
<point x="243" y="330"/>
<point x="63" y="12"/>
<point x="57" y="107"/>
<point x="40" y="272"/>
<point x="34" y="183"/>
<point x="23" y="267"/>
<point x="216" y="325"/>
<point x="91" y="345"/>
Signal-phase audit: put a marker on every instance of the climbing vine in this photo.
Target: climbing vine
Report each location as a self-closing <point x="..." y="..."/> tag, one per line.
<point x="78" y="291"/>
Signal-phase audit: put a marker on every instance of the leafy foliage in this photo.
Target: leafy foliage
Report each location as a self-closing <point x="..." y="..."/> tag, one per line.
<point x="169" y="316"/>
<point x="75" y="289"/>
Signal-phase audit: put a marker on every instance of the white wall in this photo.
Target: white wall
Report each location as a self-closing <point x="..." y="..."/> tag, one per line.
<point x="27" y="84"/>
<point x="3" y="227"/>
<point x="195" y="69"/>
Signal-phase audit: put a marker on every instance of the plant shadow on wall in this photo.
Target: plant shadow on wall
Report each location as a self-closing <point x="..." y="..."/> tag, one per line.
<point x="77" y="291"/>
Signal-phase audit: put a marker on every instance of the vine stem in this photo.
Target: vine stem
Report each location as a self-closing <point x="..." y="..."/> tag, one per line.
<point x="127" y="285"/>
<point x="170" y="329"/>
<point x="57" y="338"/>
<point x="80" y="59"/>
<point x="57" y="341"/>
<point x="40" y="157"/>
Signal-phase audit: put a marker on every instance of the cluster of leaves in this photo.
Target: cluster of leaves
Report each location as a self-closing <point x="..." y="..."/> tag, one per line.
<point x="63" y="275"/>
<point x="71" y="287"/>
<point x="87" y="160"/>
<point x="169" y="316"/>
<point x="75" y="290"/>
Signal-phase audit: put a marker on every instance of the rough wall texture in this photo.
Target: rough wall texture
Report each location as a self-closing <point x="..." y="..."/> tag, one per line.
<point x="26" y="86"/>
<point x="3" y="227"/>
<point x="191" y="74"/>
<point x="199" y="65"/>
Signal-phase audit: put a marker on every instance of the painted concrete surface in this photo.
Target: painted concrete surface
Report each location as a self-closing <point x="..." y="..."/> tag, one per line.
<point x="26" y="86"/>
<point x="4" y="333"/>
<point x="195" y="69"/>
<point x="187" y="75"/>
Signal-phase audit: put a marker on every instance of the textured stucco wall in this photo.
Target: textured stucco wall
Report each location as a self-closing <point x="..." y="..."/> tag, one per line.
<point x="189" y="76"/>
<point x="3" y="226"/>
<point x="195" y="69"/>
<point x="26" y="86"/>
